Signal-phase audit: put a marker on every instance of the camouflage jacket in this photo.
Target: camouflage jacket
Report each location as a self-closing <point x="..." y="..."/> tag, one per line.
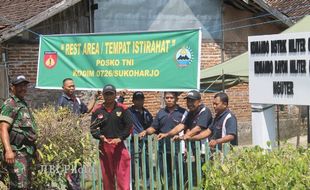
<point x="23" y="127"/>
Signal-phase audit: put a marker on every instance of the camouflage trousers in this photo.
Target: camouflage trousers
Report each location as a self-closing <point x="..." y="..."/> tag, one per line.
<point x="20" y="171"/>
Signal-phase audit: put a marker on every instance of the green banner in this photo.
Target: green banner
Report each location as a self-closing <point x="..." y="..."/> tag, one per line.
<point x="151" y="61"/>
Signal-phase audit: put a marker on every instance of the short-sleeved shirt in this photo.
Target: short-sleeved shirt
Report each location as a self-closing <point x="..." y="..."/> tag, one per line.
<point x="224" y="124"/>
<point x="74" y="104"/>
<point x="23" y="128"/>
<point x="115" y="123"/>
<point x="141" y="120"/>
<point x="164" y="120"/>
<point x="202" y="117"/>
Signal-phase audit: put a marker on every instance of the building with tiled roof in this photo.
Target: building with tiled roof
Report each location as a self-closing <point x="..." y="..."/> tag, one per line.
<point x="17" y="16"/>
<point x="295" y="9"/>
<point x="22" y="21"/>
<point x="16" y="11"/>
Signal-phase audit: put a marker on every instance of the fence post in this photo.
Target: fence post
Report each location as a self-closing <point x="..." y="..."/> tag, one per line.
<point x="150" y="157"/>
<point x="144" y="166"/>
<point x="165" y="167"/>
<point x="137" y="163"/>
<point x="189" y="165"/>
<point x="93" y="165"/>
<point x="198" y="161"/>
<point x="180" y="164"/>
<point x="173" y="165"/>
<point x="157" y="166"/>
<point x="226" y="149"/>
<point x="128" y="144"/>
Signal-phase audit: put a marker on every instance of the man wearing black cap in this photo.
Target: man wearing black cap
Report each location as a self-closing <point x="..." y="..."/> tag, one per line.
<point x="198" y="118"/>
<point x="112" y="124"/>
<point x="224" y="125"/>
<point x="18" y="135"/>
<point x="142" y="119"/>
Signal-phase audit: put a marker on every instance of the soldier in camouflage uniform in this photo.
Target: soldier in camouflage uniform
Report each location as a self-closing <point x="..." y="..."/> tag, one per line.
<point x="18" y="135"/>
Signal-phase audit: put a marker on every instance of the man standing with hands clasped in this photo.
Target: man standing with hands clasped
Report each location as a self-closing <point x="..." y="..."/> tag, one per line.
<point x="112" y="124"/>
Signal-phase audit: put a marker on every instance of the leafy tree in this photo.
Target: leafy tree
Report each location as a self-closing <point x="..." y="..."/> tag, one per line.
<point x="64" y="142"/>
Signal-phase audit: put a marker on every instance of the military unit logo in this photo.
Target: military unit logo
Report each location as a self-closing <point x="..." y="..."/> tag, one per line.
<point x="100" y="116"/>
<point x="184" y="57"/>
<point x="118" y="113"/>
<point x="50" y="59"/>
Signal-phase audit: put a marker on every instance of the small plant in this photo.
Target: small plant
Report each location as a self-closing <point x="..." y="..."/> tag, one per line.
<point x="255" y="168"/>
<point x="64" y="142"/>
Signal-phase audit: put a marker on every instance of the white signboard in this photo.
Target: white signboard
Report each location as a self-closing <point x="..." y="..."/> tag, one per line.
<point x="279" y="71"/>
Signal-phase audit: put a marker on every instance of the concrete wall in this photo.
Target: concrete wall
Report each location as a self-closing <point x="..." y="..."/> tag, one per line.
<point x="137" y="15"/>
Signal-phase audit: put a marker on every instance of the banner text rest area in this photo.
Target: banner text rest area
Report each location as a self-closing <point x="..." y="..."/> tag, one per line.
<point x="145" y="61"/>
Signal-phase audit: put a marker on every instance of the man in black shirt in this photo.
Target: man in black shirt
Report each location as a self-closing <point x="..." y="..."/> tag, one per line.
<point x="142" y="118"/>
<point x="224" y="125"/>
<point x="166" y="120"/>
<point x="112" y="124"/>
<point x="198" y="118"/>
<point x="69" y="100"/>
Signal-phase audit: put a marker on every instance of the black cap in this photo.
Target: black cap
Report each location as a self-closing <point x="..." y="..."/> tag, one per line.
<point x="19" y="79"/>
<point x="193" y="94"/>
<point x="138" y="94"/>
<point x="109" y="88"/>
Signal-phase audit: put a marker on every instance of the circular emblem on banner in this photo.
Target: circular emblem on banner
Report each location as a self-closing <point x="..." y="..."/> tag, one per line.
<point x="184" y="57"/>
<point x="50" y="59"/>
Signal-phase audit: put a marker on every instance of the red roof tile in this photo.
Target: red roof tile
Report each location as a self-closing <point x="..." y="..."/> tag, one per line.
<point x="13" y="12"/>
<point x="295" y="9"/>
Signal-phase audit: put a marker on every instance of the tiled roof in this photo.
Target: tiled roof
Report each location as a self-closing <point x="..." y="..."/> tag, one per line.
<point x="13" y="12"/>
<point x="295" y="9"/>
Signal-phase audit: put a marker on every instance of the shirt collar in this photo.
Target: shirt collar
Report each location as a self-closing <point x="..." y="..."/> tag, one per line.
<point x="198" y="109"/>
<point x="66" y="96"/>
<point x="115" y="105"/>
<point x="177" y="107"/>
<point x="222" y="114"/>
<point x="16" y="99"/>
<point x="136" y="110"/>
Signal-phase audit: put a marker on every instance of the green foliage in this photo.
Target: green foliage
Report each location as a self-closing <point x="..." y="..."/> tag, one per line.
<point x="254" y="168"/>
<point x="64" y="142"/>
